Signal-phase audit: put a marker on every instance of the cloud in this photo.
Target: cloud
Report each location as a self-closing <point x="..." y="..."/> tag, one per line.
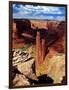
<point x="38" y="12"/>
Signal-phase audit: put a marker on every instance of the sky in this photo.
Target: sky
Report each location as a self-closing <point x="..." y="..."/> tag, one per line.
<point x="26" y="11"/>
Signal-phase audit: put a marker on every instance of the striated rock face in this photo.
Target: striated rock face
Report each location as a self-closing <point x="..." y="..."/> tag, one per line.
<point x="23" y="62"/>
<point x="26" y="69"/>
<point x="24" y="73"/>
<point x="20" y="56"/>
<point x="54" y="67"/>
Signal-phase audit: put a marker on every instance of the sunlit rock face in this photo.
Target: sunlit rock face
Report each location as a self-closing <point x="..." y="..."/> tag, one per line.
<point x="52" y="68"/>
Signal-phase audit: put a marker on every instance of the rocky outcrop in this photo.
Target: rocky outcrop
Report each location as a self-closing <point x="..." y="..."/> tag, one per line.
<point x="53" y="65"/>
<point x="20" y="80"/>
<point x="20" y="56"/>
<point x="23" y="62"/>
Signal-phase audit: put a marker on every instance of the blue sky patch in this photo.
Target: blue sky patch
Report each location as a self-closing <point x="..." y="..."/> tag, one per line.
<point x="21" y="11"/>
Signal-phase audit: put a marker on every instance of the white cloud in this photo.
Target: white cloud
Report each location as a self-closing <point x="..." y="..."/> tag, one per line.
<point x="30" y="11"/>
<point x="44" y="9"/>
